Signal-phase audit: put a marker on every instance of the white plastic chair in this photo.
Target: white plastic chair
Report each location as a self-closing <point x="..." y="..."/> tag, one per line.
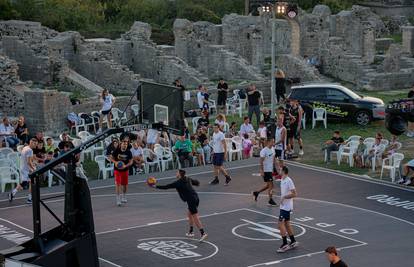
<point x="394" y="163"/>
<point x="87" y="125"/>
<point x="148" y="164"/>
<point x="347" y="151"/>
<point x="304" y="121"/>
<point x="333" y="153"/>
<point x="242" y="106"/>
<point x="8" y="175"/>
<point x="384" y="142"/>
<point x="164" y="156"/>
<point x="116" y="115"/>
<point x="233" y="151"/>
<point x="379" y="152"/>
<point x="14" y="160"/>
<point x="84" y="136"/>
<point x="103" y="167"/>
<point x="195" y="123"/>
<point x="212" y="106"/>
<point x="231" y="104"/>
<point x="5" y="151"/>
<point x="353" y="138"/>
<point x="79" y="126"/>
<point x="98" y="148"/>
<point x="319" y="114"/>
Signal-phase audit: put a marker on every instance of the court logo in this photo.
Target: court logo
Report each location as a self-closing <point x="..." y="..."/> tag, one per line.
<point x="263" y="231"/>
<point x="176" y="248"/>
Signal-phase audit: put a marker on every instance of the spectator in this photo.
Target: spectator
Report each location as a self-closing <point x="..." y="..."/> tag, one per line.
<point x="65" y="140"/>
<point x="280" y="85"/>
<point x="266" y="115"/>
<point x="223" y="90"/>
<point x="198" y="151"/>
<point x="280" y="145"/>
<point x="253" y="99"/>
<point x="137" y="156"/>
<point x="333" y="257"/>
<point x="247" y="146"/>
<point x="107" y="100"/>
<point x="203" y="140"/>
<point x="50" y="146"/>
<point x="40" y="137"/>
<point x="287" y="120"/>
<point x="391" y="148"/>
<point x="232" y="130"/>
<point x="246" y="127"/>
<point x="21" y="131"/>
<point x="184" y="150"/>
<point x="178" y="83"/>
<point x="40" y="152"/>
<point x="407" y="168"/>
<point x="296" y="111"/>
<point x="220" y="120"/>
<point x="206" y="95"/>
<point x="112" y="147"/>
<point x="262" y="133"/>
<point x="200" y="97"/>
<point x="333" y="144"/>
<point x="203" y="122"/>
<point x="373" y="151"/>
<point x="359" y="153"/>
<point x="8" y="132"/>
<point x="164" y="139"/>
<point x="152" y="138"/>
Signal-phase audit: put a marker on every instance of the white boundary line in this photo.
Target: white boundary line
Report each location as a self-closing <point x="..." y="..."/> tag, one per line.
<point x="135" y="182"/>
<point x="109" y="262"/>
<point x="348" y="175"/>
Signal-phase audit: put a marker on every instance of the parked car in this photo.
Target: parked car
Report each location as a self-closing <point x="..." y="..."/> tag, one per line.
<point x="339" y="102"/>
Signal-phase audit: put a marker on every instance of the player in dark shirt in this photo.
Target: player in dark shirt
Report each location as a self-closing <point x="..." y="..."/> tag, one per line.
<point x="223" y="89"/>
<point x="333" y="257"/>
<point x="184" y="187"/>
<point x="122" y="159"/>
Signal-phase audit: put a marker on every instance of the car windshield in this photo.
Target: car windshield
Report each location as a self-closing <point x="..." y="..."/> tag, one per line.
<point x="351" y="93"/>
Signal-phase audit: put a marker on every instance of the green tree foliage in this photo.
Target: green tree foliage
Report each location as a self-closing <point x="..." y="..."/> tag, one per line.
<point x="7" y="11"/>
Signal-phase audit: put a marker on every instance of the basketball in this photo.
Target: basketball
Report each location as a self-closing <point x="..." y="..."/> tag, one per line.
<point x="120" y="165"/>
<point x="151" y="181"/>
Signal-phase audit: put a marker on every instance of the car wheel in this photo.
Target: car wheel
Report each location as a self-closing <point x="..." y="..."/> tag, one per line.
<point x="395" y="124"/>
<point x="363" y="118"/>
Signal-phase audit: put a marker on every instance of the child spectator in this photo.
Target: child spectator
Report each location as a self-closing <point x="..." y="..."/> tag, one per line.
<point x="262" y="133"/>
<point x="197" y="149"/>
<point x="203" y="122"/>
<point x="137" y="156"/>
<point x="50" y="146"/>
<point x="247" y="146"/>
<point x="220" y="120"/>
<point x="204" y="142"/>
<point x="373" y="152"/>
<point x="359" y="154"/>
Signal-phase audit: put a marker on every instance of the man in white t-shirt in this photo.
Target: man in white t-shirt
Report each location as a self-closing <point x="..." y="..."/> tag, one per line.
<point x="219" y="155"/>
<point x="200" y="97"/>
<point x="246" y="127"/>
<point x="107" y="100"/>
<point x="267" y="163"/>
<point x="27" y="166"/>
<point x="287" y="193"/>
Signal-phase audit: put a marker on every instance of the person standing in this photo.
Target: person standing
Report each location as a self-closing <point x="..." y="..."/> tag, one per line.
<point x="280" y="85"/>
<point x="122" y="159"/>
<point x="296" y="111"/>
<point x="287" y="193"/>
<point x="107" y="100"/>
<point x="333" y="258"/>
<point x="200" y="97"/>
<point x="184" y="187"/>
<point x="222" y="91"/>
<point x="410" y="131"/>
<point x="253" y="99"/>
<point x="27" y="166"/>
<point x="267" y="161"/>
<point x="280" y="144"/>
<point x="219" y="155"/>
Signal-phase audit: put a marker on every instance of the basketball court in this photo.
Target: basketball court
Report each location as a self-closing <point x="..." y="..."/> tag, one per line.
<point x="372" y="223"/>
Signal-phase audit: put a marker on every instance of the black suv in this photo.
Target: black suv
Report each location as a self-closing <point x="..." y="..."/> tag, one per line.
<point x="339" y="102"/>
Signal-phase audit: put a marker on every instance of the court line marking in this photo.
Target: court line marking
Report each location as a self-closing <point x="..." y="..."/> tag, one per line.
<point x="216" y="249"/>
<point x="131" y="183"/>
<point x="166" y="222"/>
<point x="357" y="177"/>
<point x="30" y="231"/>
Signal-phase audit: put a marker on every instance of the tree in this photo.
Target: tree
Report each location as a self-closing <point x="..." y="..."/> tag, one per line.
<point x="7" y="11"/>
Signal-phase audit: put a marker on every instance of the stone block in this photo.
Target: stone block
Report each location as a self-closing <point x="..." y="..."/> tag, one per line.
<point x="408" y="39"/>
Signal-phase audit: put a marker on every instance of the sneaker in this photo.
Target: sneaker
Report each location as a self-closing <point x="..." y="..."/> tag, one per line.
<point x="203" y="237"/>
<point x="283" y="248"/>
<point x="29" y="201"/>
<point x="255" y="195"/>
<point x="189" y="234"/>
<point x="401" y="181"/>
<point x="272" y="202"/>
<point x="228" y="179"/>
<point x="124" y="199"/>
<point x="214" y="181"/>
<point x="10" y="196"/>
<point x="407" y="182"/>
<point x="294" y="244"/>
<point x="301" y="152"/>
<point x="118" y="201"/>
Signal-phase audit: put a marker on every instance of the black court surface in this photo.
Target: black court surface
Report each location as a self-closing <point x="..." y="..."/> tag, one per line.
<point x="372" y="223"/>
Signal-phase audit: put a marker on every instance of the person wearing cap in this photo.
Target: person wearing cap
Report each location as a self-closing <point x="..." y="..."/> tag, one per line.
<point x="184" y="186"/>
<point x="222" y="91"/>
<point x="333" y="257"/>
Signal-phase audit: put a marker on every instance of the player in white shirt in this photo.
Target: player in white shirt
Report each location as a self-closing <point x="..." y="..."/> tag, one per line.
<point x="287" y="193"/>
<point x="107" y="100"/>
<point x="267" y="161"/>
<point x="280" y="145"/>
<point x="219" y="155"/>
<point x="27" y="166"/>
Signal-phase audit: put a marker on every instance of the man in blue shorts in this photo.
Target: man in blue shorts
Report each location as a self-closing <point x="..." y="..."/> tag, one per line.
<point x="219" y="155"/>
<point x="287" y="193"/>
